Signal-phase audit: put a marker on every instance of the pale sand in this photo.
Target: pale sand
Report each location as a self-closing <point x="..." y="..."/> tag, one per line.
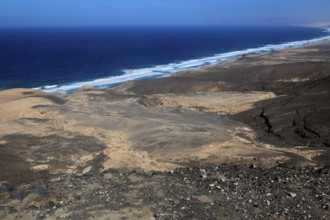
<point x="143" y="125"/>
<point x="137" y="135"/>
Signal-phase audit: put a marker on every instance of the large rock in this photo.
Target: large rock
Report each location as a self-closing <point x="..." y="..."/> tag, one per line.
<point x="41" y="190"/>
<point x="6" y="187"/>
<point x="18" y="194"/>
<point x="88" y="170"/>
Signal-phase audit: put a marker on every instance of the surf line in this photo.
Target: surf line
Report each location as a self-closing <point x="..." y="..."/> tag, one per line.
<point x="169" y="69"/>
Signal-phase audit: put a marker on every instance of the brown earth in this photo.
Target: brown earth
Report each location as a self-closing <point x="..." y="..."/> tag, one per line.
<point x="262" y="109"/>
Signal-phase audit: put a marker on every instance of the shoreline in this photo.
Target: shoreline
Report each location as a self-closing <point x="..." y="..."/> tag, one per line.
<point x="281" y="78"/>
<point x="244" y="138"/>
<point x="250" y="134"/>
<point x="167" y="70"/>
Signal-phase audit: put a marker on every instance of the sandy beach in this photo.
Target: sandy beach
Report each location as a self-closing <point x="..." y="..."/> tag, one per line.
<point x="262" y="110"/>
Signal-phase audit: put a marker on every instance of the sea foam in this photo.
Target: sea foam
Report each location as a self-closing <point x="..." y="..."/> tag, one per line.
<point x="169" y="69"/>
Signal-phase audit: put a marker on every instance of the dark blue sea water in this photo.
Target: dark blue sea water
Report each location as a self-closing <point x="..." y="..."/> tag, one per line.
<point x="64" y="59"/>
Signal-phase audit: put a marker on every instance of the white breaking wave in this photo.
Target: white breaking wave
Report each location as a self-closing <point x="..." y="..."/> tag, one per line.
<point x="169" y="69"/>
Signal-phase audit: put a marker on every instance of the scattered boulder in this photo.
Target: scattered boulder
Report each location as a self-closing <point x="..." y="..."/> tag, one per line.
<point x="18" y="194"/>
<point x="32" y="207"/>
<point x="134" y="178"/>
<point x="111" y="170"/>
<point x="70" y="176"/>
<point x="261" y="193"/>
<point x="293" y="195"/>
<point x="88" y="170"/>
<point x="41" y="190"/>
<point x="203" y="173"/>
<point x="324" y="170"/>
<point x="6" y="187"/>
<point x="11" y="210"/>
<point x="110" y="177"/>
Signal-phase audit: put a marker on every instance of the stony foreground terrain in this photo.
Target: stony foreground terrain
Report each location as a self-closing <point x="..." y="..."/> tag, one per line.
<point x="246" y="139"/>
<point x="217" y="192"/>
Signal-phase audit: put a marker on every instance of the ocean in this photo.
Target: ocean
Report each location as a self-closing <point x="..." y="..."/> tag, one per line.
<point x="62" y="60"/>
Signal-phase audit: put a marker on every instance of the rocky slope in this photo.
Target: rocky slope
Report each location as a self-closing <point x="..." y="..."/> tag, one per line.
<point x="247" y="139"/>
<point x="214" y="192"/>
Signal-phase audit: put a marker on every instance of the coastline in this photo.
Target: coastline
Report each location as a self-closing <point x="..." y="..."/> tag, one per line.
<point x="210" y="130"/>
<point x="234" y="79"/>
<point x="167" y="70"/>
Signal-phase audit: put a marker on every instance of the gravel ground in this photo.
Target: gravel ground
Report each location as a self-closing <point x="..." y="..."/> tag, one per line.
<point x="214" y="192"/>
